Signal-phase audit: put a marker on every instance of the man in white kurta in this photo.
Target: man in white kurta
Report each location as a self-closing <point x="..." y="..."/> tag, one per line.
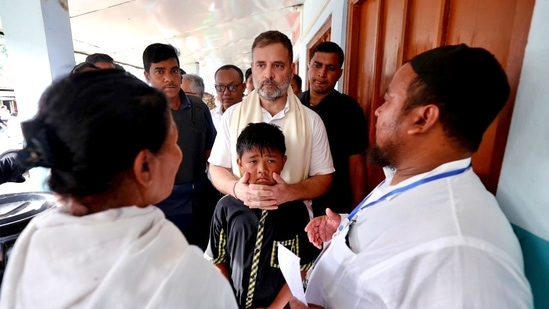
<point x="307" y="173"/>
<point x="125" y="257"/>
<point x="224" y="149"/>
<point x="443" y="244"/>
<point x="430" y="235"/>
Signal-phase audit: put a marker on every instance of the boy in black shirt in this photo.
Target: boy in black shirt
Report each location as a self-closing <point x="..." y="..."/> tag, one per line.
<point x="243" y="241"/>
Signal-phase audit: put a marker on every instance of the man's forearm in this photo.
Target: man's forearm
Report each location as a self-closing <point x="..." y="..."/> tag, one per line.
<point x="222" y="179"/>
<point x="310" y="188"/>
<point x="282" y="298"/>
<point x="224" y="269"/>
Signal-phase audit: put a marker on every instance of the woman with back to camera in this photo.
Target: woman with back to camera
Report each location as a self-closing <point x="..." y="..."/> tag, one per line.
<point x="110" y="142"/>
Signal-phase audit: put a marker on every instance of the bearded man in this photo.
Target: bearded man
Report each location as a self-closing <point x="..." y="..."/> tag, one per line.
<point x="308" y="171"/>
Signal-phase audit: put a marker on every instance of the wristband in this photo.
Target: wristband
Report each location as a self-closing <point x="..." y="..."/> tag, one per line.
<point x="234" y="192"/>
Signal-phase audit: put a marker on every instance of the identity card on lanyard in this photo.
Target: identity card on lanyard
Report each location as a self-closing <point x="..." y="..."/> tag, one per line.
<point x="366" y="203"/>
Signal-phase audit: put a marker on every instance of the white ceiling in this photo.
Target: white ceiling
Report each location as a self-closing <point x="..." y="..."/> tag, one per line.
<point x="210" y="32"/>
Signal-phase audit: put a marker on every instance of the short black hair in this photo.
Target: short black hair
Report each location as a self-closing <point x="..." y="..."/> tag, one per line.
<point x="262" y="136"/>
<point x="330" y="47"/>
<point x="467" y="84"/>
<point x="248" y="74"/>
<point x="231" y="67"/>
<point x="159" y="52"/>
<point x="90" y="127"/>
<point x="298" y="80"/>
<point x="97" y="57"/>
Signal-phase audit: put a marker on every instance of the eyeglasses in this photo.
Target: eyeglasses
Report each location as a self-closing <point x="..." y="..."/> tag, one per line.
<point x="221" y="88"/>
<point x="192" y="93"/>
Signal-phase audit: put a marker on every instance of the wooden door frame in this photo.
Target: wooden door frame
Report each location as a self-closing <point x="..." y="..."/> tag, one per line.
<point x="492" y="157"/>
<point x="322" y="35"/>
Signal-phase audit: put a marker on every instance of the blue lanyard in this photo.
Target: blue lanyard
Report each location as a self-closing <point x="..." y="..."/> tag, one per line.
<point x="363" y="204"/>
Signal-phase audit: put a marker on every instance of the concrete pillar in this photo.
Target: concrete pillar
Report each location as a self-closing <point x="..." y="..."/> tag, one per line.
<point x="39" y="45"/>
<point x="40" y="50"/>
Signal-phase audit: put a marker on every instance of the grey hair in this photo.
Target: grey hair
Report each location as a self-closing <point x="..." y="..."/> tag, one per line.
<point x="197" y="83"/>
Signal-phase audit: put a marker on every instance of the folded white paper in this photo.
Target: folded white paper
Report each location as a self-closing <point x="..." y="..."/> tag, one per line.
<point x="289" y="265"/>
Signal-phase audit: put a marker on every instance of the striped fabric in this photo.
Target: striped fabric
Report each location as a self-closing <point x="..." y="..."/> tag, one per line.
<point x="255" y="260"/>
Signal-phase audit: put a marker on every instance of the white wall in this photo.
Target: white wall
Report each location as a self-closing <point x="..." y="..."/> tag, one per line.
<point x="523" y="190"/>
<point x="315" y="14"/>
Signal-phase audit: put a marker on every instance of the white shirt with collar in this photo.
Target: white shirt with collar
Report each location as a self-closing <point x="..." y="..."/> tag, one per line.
<point x="217" y="115"/>
<point x="442" y="244"/>
<point x="321" y="158"/>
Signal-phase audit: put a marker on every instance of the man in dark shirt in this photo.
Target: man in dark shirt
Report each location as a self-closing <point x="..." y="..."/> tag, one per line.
<point x="192" y="200"/>
<point x="346" y="127"/>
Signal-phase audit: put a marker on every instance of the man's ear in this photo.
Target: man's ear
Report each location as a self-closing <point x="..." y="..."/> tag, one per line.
<point x="147" y="76"/>
<point x="239" y="163"/>
<point x="340" y="73"/>
<point x="284" y="159"/>
<point x="424" y="118"/>
<point x="142" y="167"/>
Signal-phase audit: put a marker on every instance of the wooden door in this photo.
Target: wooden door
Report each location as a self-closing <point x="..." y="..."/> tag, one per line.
<point x="383" y="34"/>
<point x="322" y="35"/>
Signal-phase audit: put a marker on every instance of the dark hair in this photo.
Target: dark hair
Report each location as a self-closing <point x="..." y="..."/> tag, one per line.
<point x="298" y="80"/>
<point x="83" y="67"/>
<point x="90" y="127"/>
<point x="197" y="83"/>
<point x="273" y="37"/>
<point x="248" y="74"/>
<point x="262" y="136"/>
<point x="231" y="67"/>
<point x="330" y="47"/>
<point x="94" y="58"/>
<point x="159" y="52"/>
<point x="468" y="85"/>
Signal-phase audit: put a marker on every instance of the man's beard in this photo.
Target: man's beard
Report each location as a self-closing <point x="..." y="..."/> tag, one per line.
<point x="279" y="91"/>
<point x="382" y="157"/>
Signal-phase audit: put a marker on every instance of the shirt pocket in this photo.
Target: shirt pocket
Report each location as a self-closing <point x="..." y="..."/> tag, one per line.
<point x="290" y="244"/>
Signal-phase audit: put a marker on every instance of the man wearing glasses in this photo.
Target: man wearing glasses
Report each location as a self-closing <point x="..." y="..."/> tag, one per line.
<point x="230" y="86"/>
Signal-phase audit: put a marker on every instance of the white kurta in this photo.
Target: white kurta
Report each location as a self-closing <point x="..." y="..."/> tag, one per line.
<point x="127" y="257"/>
<point x="321" y="158"/>
<point x="217" y="115"/>
<point x="443" y="244"/>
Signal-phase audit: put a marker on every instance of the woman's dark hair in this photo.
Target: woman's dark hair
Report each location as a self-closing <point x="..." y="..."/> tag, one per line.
<point x="84" y="67"/>
<point x="98" y="57"/>
<point x="90" y="128"/>
<point x="262" y="136"/>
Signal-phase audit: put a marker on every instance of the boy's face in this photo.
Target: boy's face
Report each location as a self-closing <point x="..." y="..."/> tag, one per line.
<point x="261" y="165"/>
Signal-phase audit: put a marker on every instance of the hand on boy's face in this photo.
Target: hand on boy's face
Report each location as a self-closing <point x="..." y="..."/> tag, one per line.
<point x="267" y="197"/>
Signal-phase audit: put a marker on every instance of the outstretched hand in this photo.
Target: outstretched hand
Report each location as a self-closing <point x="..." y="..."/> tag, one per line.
<point x="321" y="229"/>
